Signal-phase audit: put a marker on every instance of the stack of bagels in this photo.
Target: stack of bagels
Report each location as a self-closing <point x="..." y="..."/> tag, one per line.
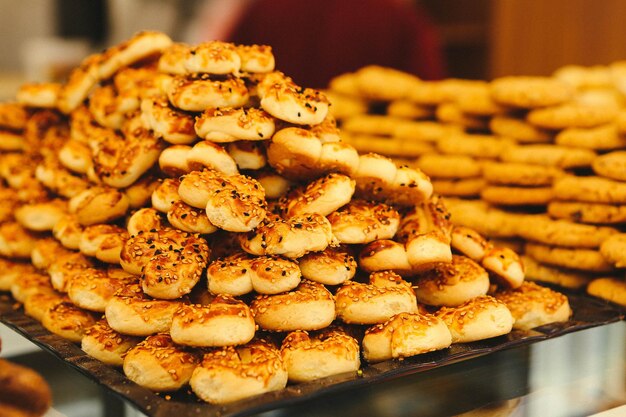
<point x="534" y="163"/>
<point x="192" y="215"/>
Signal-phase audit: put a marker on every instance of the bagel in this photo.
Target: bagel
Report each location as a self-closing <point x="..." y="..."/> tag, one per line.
<point x="362" y="221"/>
<point x="232" y="124"/>
<point x="294" y="104"/>
<point x="173" y="125"/>
<point x="76" y="156"/>
<point x="68" y="321"/>
<point x="404" y="335"/>
<point x="189" y="219"/>
<point x="205" y="154"/>
<point x="452" y="284"/>
<point x="41" y="95"/>
<point x="132" y="313"/>
<point x="63" y="269"/>
<point x="299" y="154"/>
<point x="234" y="203"/>
<point x="309" y="306"/>
<point x="158" y="364"/>
<point x="378" y="178"/>
<point x="469" y="242"/>
<point x="103" y="343"/>
<point x="173" y="160"/>
<point x="225" y="321"/>
<point x="213" y="57"/>
<point x="29" y="283"/>
<point x="504" y="265"/>
<point x="144" y="220"/>
<point x="46" y="251"/>
<point x="291" y="238"/>
<point x="323" y="196"/>
<point x="36" y="304"/>
<point x="172" y="59"/>
<point x="119" y="162"/>
<point x="93" y="288"/>
<point x="533" y="305"/>
<point x="310" y="356"/>
<point x="423" y="238"/>
<point x="16" y="241"/>
<point x="109" y="108"/>
<point x="233" y="373"/>
<point x="166" y="194"/>
<point x="10" y="271"/>
<point x="142" y="45"/>
<point x="256" y="58"/>
<point x="198" y="92"/>
<point x="247" y="154"/>
<point x="98" y="205"/>
<point x="480" y="318"/>
<point x="240" y="273"/>
<point x="170" y="261"/>
<point x="332" y="266"/>
<point x="80" y="82"/>
<point x="386" y="295"/>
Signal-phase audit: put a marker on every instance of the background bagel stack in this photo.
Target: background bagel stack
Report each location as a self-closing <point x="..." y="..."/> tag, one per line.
<point x="206" y="204"/>
<point x="535" y="143"/>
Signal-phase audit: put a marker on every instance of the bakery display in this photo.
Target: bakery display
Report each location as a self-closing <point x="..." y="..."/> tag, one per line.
<point x="192" y="215"/>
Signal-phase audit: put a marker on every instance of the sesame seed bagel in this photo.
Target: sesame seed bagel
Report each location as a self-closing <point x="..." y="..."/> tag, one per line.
<point x="291" y="238"/>
<point x="310" y="356"/>
<point x="300" y="154"/>
<point x="240" y="273"/>
<point x="404" y="335"/>
<point x="332" y="266"/>
<point x="159" y="364"/>
<point x="166" y="194"/>
<point x="469" y="242"/>
<point x="234" y="373"/>
<point x="68" y="321"/>
<point x="109" y="108"/>
<point x="213" y="57"/>
<point x="100" y="341"/>
<point x="225" y="321"/>
<point x="256" y="58"/>
<point x="133" y="313"/>
<point x="173" y="125"/>
<point x="189" y="219"/>
<point x="294" y="104"/>
<point x="452" y="283"/>
<point x="63" y="269"/>
<point x="378" y="178"/>
<point x="322" y="196"/>
<point x="46" y="251"/>
<point x="362" y="221"/>
<point x="38" y="303"/>
<point x="144" y="220"/>
<point x="232" y="124"/>
<point x="386" y="295"/>
<point x="93" y="288"/>
<point x="309" y="306"/>
<point x="533" y="305"/>
<point x="481" y="318"/>
<point x="206" y="154"/>
<point x="92" y="236"/>
<point x="198" y="92"/>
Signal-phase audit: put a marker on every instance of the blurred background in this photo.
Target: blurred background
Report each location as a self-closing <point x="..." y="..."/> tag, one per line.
<point x="314" y="40"/>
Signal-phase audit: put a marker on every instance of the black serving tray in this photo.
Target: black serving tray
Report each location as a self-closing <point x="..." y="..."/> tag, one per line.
<point x="588" y="312"/>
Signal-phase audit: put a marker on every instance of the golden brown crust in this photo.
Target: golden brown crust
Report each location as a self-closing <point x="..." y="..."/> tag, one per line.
<point x="362" y="221"/>
<point x="232" y="124"/>
<point x="533" y="305"/>
<point x="310" y="306"/>
<point x="233" y="373"/>
<point x="212" y="57"/>
<point x="322" y="196"/>
<point x="100" y="341"/>
<point x="38" y="303"/>
<point x="200" y="92"/>
<point x="159" y="364"/>
<point x="332" y="266"/>
<point x="144" y="220"/>
<point x="173" y="125"/>
<point x="256" y="58"/>
<point x="165" y="194"/>
<point x="31" y="282"/>
<point x="68" y="321"/>
<point x="310" y="356"/>
<point x="42" y="95"/>
<point x="93" y="288"/>
<point x="16" y="241"/>
<point x="189" y="219"/>
<point x="46" y="251"/>
<point x="225" y="321"/>
<point x="142" y="45"/>
<point x="98" y="205"/>
<point x="63" y="269"/>
<point x="289" y="102"/>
